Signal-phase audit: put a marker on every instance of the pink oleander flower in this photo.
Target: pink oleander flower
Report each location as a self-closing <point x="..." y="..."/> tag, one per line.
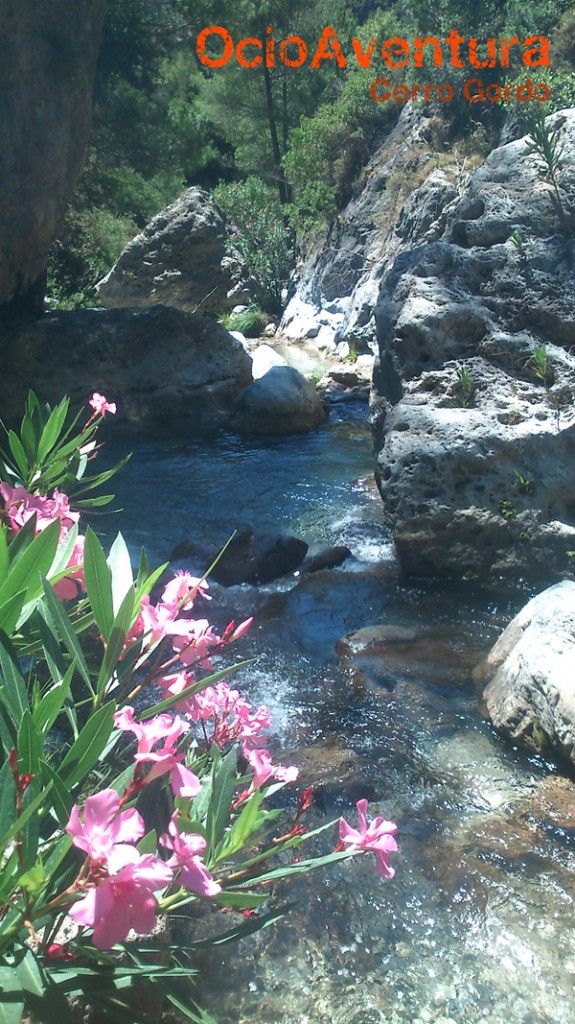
<point x="192" y="640"/>
<point x="164" y="759"/>
<point x="101" y="406"/>
<point x="20" y="506"/>
<point x="378" y="837"/>
<point x="124" y="900"/>
<point x="232" y="717"/>
<point x="187" y="849"/>
<point x="104" y="826"/>
<point x="181" y="586"/>
<point x="151" y="620"/>
<point x="264" y="769"/>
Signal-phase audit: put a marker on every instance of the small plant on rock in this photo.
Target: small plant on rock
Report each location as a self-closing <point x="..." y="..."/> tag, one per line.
<point x="541" y="365"/>
<point x="465" y="388"/>
<point x="524" y="484"/>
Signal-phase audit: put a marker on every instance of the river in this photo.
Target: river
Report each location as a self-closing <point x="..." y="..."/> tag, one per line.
<point x="476" y="927"/>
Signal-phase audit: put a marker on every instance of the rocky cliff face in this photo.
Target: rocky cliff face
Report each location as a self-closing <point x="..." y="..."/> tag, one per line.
<point x="465" y="291"/>
<point x="474" y="387"/>
<point x="336" y="297"/>
<point x="48" y="51"/>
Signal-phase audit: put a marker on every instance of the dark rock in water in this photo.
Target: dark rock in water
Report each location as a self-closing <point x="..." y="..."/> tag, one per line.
<point x="250" y="557"/>
<point x="280" y="402"/>
<point x="47" y="64"/>
<point x="166" y="370"/>
<point x="329" y="558"/>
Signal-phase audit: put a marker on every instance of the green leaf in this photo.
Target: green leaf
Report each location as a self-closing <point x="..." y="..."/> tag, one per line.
<point x="248" y="927"/>
<point x="19" y="455"/>
<point x="49" y="707"/>
<point x="43" y="999"/>
<point x="116" y="642"/>
<point x="64" y="630"/>
<point x="98" y="583"/>
<point x="29" y="746"/>
<point x="121" y="571"/>
<point x="86" y="750"/>
<point x="52" y="430"/>
<point x="7" y="799"/>
<point x="25" y="574"/>
<point x="224" y="781"/>
<point x="148" y="843"/>
<point x="33" y="879"/>
<point x="20" y="822"/>
<point x="240" y="900"/>
<point x="60" y="798"/>
<point x="14" y="692"/>
<point x="4" y="554"/>
<point x="243" y="827"/>
<point x="11" y="1000"/>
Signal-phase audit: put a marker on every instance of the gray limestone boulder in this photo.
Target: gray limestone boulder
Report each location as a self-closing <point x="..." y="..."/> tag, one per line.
<point x="180" y="259"/>
<point x="166" y="370"/>
<point x="473" y="398"/>
<point x="280" y="402"/>
<point x="48" y="54"/>
<point x="531" y="693"/>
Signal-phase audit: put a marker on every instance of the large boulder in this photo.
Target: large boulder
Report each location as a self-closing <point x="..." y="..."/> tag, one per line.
<point x="280" y="402"/>
<point x="473" y="402"/>
<point x="48" y="51"/>
<point x="164" y="369"/>
<point x="531" y="693"/>
<point x="180" y="259"/>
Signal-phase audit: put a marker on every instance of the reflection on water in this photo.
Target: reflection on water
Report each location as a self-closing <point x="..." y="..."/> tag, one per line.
<point x="476" y="926"/>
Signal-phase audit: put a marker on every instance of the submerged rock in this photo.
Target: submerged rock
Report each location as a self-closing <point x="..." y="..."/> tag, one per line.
<point x="250" y="557"/>
<point x="280" y="402"/>
<point x="164" y="369"/>
<point x="531" y="693"/>
<point x="180" y="259"/>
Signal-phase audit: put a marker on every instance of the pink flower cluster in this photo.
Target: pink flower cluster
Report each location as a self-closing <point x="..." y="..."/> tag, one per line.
<point x="165" y="759"/>
<point x="20" y="506"/>
<point x="119" y="882"/>
<point x="192" y="639"/>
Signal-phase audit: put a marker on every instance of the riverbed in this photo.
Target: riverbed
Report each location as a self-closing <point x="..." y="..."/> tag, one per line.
<point x="476" y="925"/>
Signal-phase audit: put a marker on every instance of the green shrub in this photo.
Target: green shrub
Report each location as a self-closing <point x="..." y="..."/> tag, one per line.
<point x="259" y="233"/>
<point x="251" y="322"/>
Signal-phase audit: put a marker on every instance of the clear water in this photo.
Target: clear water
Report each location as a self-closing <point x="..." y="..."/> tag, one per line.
<point x="476" y="926"/>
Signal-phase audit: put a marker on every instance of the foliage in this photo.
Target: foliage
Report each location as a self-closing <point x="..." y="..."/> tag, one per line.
<point x="251" y="322"/>
<point x="111" y="815"/>
<point x="331" y="145"/>
<point x="465" y="387"/>
<point x="541" y="365"/>
<point x="259" y="233"/>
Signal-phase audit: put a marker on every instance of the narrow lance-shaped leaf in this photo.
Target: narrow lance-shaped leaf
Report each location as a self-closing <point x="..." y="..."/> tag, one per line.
<point x="116" y="643"/>
<point x="86" y="750"/>
<point x="65" y="631"/>
<point x="98" y="582"/>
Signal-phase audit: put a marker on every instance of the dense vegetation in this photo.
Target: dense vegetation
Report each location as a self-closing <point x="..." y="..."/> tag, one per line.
<point x="163" y="121"/>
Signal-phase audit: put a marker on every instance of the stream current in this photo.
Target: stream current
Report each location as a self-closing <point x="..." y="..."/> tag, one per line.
<point x="476" y="927"/>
